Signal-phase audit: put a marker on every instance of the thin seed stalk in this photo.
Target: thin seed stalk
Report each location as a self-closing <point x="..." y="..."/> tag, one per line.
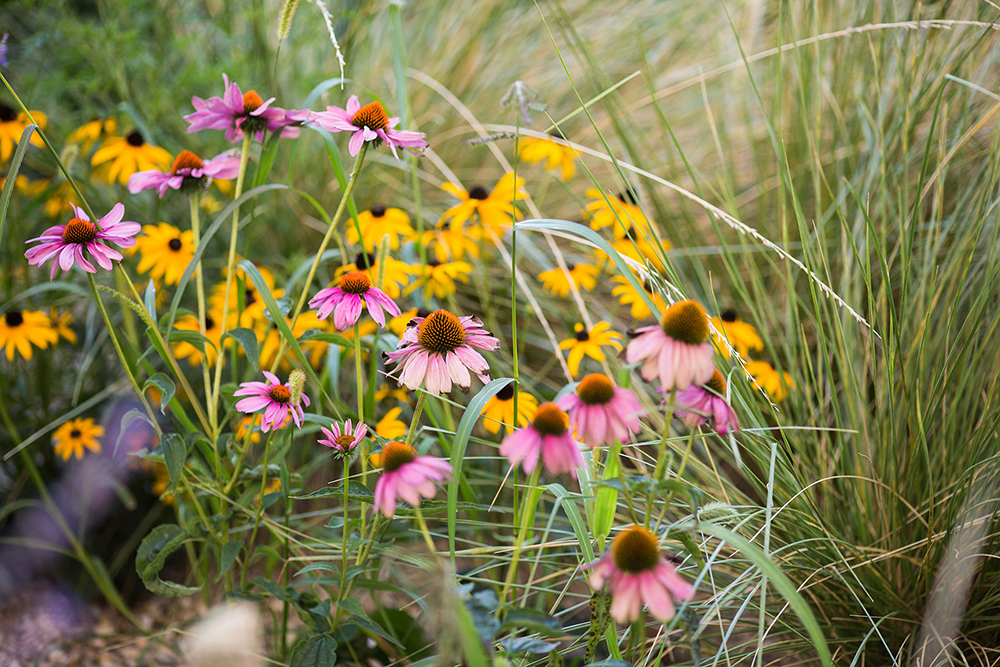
<point x="527" y="509"/>
<point x="260" y="508"/>
<point x="199" y="280"/>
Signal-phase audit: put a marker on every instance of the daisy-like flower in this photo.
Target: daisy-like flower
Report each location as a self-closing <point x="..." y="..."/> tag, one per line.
<point x="278" y="400"/>
<point x="395" y="275"/>
<point x="345" y="301"/>
<point x="343" y="441"/>
<point x="20" y="329"/>
<point x="213" y="332"/>
<point x="637" y="572"/>
<point x="12" y="124"/>
<point x="248" y="427"/>
<point x="638" y="248"/>
<point x="90" y="133"/>
<point x="391" y="426"/>
<point x="452" y="243"/>
<point x="407" y="476"/>
<point x="369" y="123"/>
<point x="61" y="321"/>
<point x="72" y="437"/>
<point x="499" y="410"/>
<point x="166" y="252"/>
<point x="589" y="343"/>
<point x="600" y="413"/>
<point x="547" y="440"/>
<point x="438" y="350"/>
<point x="766" y="377"/>
<point x="494" y="207"/>
<point x="237" y="112"/>
<point x="559" y="157"/>
<point x="676" y="350"/>
<point x="187" y="172"/>
<point x="128" y="155"/>
<point x="557" y="281"/>
<point x="707" y="401"/>
<point x="440" y="279"/>
<point x="741" y="335"/>
<point x="622" y="214"/>
<point x="64" y="244"/>
<point x="378" y="221"/>
<point x="630" y="296"/>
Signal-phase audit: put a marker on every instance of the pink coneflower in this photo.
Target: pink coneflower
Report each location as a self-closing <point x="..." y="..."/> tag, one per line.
<point x="343" y="442"/>
<point x="277" y="400"/>
<point x="368" y="123"/>
<point x="436" y="350"/>
<point x="407" y="476"/>
<point x="639" y="573"/>
<point x="66" y="243"/>
<point x="354" y="291"/>
<point x="547" y="439"/>
<point x="600" y="413"/>
<point x="702" y="402"/>
<point x="676" y="350"/>
<point x="188" y="170"/>
<point x="237" y="112"/>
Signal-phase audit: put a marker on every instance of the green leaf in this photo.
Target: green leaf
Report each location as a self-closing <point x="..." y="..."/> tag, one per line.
<point x="355" y="491"/>
<point x="15" y="166"/>
<point x="166" y="387"/>
<point x="314" y="567"/>
<point x="575" y="520"/>
<point x="318" y="651"/>
<point x="326" y="337"/>
<point x="247" y="339"/>
<point x="363" y="621"/>
<point x="528" y="645"/>
<point x="132" y="415"/>
<point x="149" y="299"/>
<point x="153" y="552"/>
<point x="174" y="454"/>
<point x="607" y="498"/>
<point x="266" y="160"/>
<point x="227" y="556"/>
<point x="193" y="337"/>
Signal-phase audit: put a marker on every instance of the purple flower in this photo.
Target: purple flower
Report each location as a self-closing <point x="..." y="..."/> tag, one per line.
<point x="66" y="243"/>
<point x="600" y="413"/>
<point x="343" y="442"/>
<point x="277" y="400"/>
<point x="547" y="440"/>
<point x="237" y="112"/>
<point x="368" y="123"/>
<point x="3" y="50"/>
<point x="188" y="170"/>
<point x="407" y="476"/>
<point x="704" y="402"/>
<point x="345" y="301"/>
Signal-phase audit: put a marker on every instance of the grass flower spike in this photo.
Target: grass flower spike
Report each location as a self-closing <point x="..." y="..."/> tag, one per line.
<point x="439" y="350"/>
<point x="238" y="112"/>
<point x="343" y="441"/>
<point x="600" y="413"/>
<point x="277" y="400"/>
<point x="677" y="350"/>
<point x="636" y="572"/>
<point x="345" y="301"/>
<point x="407" y="476"/>
<point x="187" y="171"/>
<point x="547" y="440"/>
<point x="369" y="123"/>
<point x="708" y="401"/>
<point x="65" y="244"/>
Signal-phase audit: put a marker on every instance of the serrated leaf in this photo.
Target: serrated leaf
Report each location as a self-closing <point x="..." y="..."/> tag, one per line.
<point x="247" y="339"/>
<point x="165" y="386"/>
<point x="153" y="552"/>
<point x="318" y="651"/>
<point x="174" y="454"/>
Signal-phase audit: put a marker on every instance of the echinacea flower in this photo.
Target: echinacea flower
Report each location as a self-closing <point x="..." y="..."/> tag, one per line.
<point x="589" y="343"/>
<point x="65" y="244"/>
<point x="499" y="410"/>
<point x="438" y="350"/>
<point x="165" y="252"/>
<point x="557" y="281"/>
<point x="275" y="398"/>
<point x="187" y="172"/>
<point x="620" y="212"/>
<point x="628" y="295"/>
<point x="238" y="112"/>
<point x="708" y="401"/>
<point x="766" y="377"/>
<point x="369" y="123"/>
<point x="72" y="437"/>
<point x="439" y="279"/>
<point x="741" y="335"/>
<point x="345" y="301"/>
<point x="407" y="476"/>
<point x="601" y="413"/>
<point x="677" y="350"/>
<point x="20" y="329"/>
<point x="128" y="155"/>
<point x="558" y="157"/>
<point x="637" y="572"/>
<point x="547" y="440"/>
<point x="12" y="124"/>
<point x="494" y="208"/>
<point x="377" y="222"/>
<point x="345" y="440"/>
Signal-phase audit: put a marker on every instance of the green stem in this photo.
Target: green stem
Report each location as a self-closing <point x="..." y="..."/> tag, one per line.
<point x="260" y="508"/>
<point x="527" y="512"/>
<point x="417" y="411"/>
<point x="422" y="524"/>
<point x="199" y="279"/>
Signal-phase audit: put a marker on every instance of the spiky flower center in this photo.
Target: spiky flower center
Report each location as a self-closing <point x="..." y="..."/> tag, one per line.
<point x="7" y="114"/>
<point x="174" y="244"/>
<point x="75" y="433"/>
<point x="14" y="318"/>
<point x="79" y="230"/>
<point x="441" y="332"/>
<point x="279" y="393"/>
<point x="186" y="160"/>
<point x="717" y="383"/>
<point x="550" y="420"/>
<point x="135" y="139"/>
<point x="506" y="393"/>
<point x="372" y="116"/>
<point x="377" y="210"/>
<point x="686" y="321"/>
<point x="595" y="389"/>
<point x="479" y="192"/>
<point x="355" y="283"/>
<point x="345" y="441"/>
<point x="636" y="550"/>
<point x="251" y="101"/>
<point x="396" y="454"/>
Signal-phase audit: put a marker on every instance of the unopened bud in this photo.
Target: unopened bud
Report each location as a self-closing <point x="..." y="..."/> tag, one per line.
<point x="296" y="383"/>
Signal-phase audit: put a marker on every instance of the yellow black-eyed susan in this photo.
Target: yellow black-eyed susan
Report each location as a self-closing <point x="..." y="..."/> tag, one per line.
<point x="765" y="376"/>
<point x="128" y="155"/>
<point x="12" y="124"/>
<point x="74" y="436"/>
<point x="165" y="252"/>
<point x="742" y="336"/>
<point x="494" y="207"/>
<point x="378" y="221"/>
<point x="557" y="281"/>
<point x="558" y="157"/>
<point x="20" y="329"/>
<point x="589" y="343"/>
<point x="499" y="410"/>
<point x="440" y="280"/>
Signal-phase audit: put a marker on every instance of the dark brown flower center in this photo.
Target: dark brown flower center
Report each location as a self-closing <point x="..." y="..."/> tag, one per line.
<point x="79" y="230"/>
<point x="134" y="139"/>
<point x="397" y="454"/>
<point x="209" y="323"/>
<point x="506" y="393"/>
<point x="728" y="315"/>
<point x="251" y="101"/>
<point x="441" y="332"/>
<point x="75" y="433"/>
<point x="571" y="267"/>
<point x="364" y="260"/>
<point x="717" y="383"/>
<point x="636" y="550"/>
<point x="581" y="334"/>
<point x="248" y="298"/>
<point x="377" y="210"/>
<point x="628" y="197"/>
<point x="557" y="134"/>
<point x="478" y="192"/>
<point x="345" y="441"/>
<point x="685" y="321"/>
<point x="550" y="420"/>
<point x="595" y="389"/>
<point x="175" y="244"/>
<point x="279" y="393"/>
<point x="355" y="283"/>
<point x="372" y="116"/>
<point x="7" y="114"/>
<point x="186" y="160"/>
<point x="14" y="318"/>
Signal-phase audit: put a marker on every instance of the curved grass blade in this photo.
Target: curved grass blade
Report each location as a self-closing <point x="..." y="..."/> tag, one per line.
<point x="15" y="166"/>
